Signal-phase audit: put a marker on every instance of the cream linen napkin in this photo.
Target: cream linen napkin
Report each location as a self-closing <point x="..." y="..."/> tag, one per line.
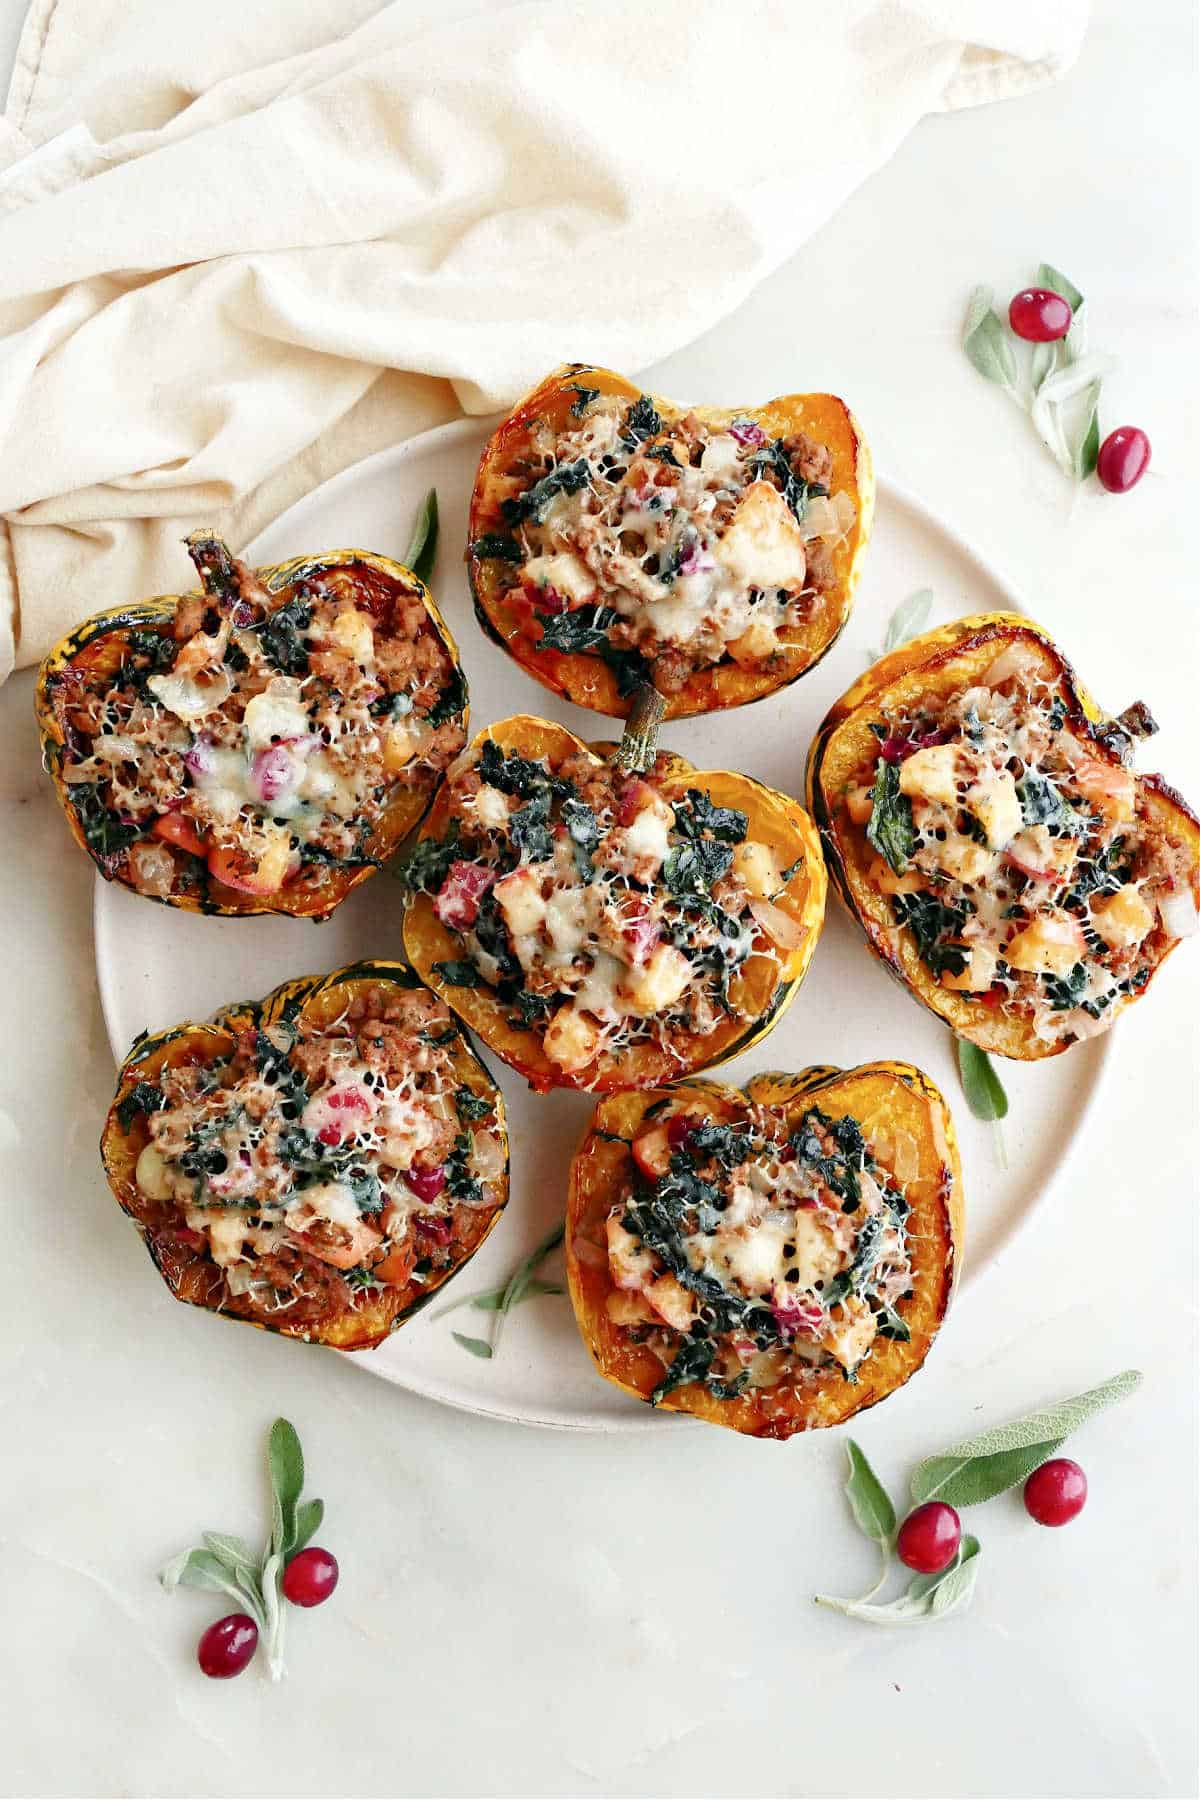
<point x="245" y="242"/>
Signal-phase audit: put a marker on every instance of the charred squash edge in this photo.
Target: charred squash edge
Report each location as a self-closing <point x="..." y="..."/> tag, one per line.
<point x="427" y="941"/>
<point x="891" y="1363"/>
<point x="587" y="681"/>
<point x="934" y="653"/>
<point x="220" y="901"/>
<point x="380" y="1314"/>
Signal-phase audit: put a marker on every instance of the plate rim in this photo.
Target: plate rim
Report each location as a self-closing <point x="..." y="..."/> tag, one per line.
<point x="892" y="493"/>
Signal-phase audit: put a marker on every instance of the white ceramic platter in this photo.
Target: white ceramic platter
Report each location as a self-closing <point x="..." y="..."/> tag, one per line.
<point x="157" y="966"/>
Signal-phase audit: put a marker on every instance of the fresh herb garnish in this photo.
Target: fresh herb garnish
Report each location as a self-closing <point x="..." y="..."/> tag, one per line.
<point x="982" y="1086"/>
<point x="225" y="1564"/>
<point x="909" y="618"/>
<point x="890" y="828"/>
<point x="980" y="1467"/>
<point x="422" y="546"/>
<point x="523" y="1284"/>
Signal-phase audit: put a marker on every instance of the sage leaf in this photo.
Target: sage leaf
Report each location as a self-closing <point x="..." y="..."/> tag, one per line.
<point x="980" y="1467"/>
<point x="273" y="1613"/>
<point x="873" y="1512"/>
<point x="909" y="618"/>
<point x="476" y="1346"/>
<point x="493" y="1301"/>
<point x="422" y="547"/>
<point x="1085" y="440"/>
<point x="522" y="1275"/>
<point x="1043" y="362"/>
<point x="981" y="1085"/>
<point x="233" y="1553"/>
<point x="201" y="1569"/>
<point x="985" y="341"/>
<point x="286" y="1462"/>
<point x="927" y="1597"/>
<point x="308" y="1523"/>
<point x="1050" y="277"/>
<point x="890" y="829"/>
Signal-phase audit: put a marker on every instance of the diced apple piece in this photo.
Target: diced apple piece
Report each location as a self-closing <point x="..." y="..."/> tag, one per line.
<point x="1047" y="947"/>
<point x="997" y="805"/>
<point x="931" y="774"/>
<point x="628" y="1309"/>
<point x="752" y="646"/>
<point x="571" y="1039"/>
<point x="850" y="1335"/>
<point x="963" y="858"/>
<point x="652" y="1152"/>
<point x="1122" y="918"/>
<point x="859" y="805"/>
<point x="1111" y="789"/>
<point x="352" y="632"/>
<point x="520" y="900"/>
<point x="757" y="868"/>
<point x="978" y="974"/>
<point x="1038" y="854"/>
<point x="672" y="1302"/>
<point x="659" y="984"/>
<point x="566" y="573"/>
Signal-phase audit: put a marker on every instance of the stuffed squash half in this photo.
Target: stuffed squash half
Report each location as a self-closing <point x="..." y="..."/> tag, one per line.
<point x="982" y="822"/>
<point x="603" y="928"/>
<point x="773" y="1260"/>
<point x="319" y="1163"/>
<point x="615" y="539"/>
<point x="259" y="746"/>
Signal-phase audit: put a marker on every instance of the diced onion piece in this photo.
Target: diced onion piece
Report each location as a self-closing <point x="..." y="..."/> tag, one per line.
<point x="1015" y="659"/>
<point x="829" y="516"/>
<point x="1179" y="914"/>
<point x="779" y="925"/>
<point x="487" y="1157"/>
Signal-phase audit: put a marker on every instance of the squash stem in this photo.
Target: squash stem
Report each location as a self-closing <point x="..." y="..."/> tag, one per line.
<point x="639" y="743"/>
<point x="214" y="565"/>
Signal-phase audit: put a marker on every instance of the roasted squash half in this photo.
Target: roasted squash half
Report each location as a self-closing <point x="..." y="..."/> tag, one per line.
<point x="318" y="1163"/>
<point x="261" y="745"/>
<point x="772" y="1260"/>
<point x="983" y="825"/>
<point x="615" y="538"/>
<point x="605" y="929"/>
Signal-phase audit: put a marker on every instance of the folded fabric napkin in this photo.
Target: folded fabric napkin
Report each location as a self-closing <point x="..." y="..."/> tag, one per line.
<point x="246" y="245"/>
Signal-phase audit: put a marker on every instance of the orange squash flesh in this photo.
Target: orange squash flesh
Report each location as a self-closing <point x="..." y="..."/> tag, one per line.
<point x="95" y="650"/>
<point x="188" y="1271"/>
<point x="762" y="987"/>
<point x="586" y="680"/>
<point x="941" y="663"/>
<point x="886" y="1099"/>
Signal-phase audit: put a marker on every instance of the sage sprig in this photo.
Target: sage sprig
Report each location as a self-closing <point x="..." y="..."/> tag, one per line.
<point x="422" y="547"/>
<point x="909" y="618"/>
<point x="983" y="1090"/>
<point x="523" y="1284"/>
<point x="987" y="1464"/>
<point x="927" y="1597"/>
<point x="225" y="1564"/>
<point x="1062" y="392"/>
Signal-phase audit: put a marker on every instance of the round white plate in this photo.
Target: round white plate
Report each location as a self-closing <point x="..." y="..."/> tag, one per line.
<point x="157" y="966"/>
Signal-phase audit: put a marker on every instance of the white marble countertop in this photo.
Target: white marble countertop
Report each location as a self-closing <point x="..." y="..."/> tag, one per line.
<point x="527" y="1613"/>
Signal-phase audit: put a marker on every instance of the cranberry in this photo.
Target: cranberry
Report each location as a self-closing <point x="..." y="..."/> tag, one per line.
<point x="929" y="1538"/>
<point x="1055" y="1493"/>
<point x="1123" y="459"/>
<point x="310" y="1577"/>
<point x="1039" y="315"/>
<point x="227" y="1646"/>
<point x="680" y="1129"/>
<point x="426" y="1184"/>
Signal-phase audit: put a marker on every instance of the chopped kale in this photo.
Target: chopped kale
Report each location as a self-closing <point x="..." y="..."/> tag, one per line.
<point x="578" y="632"/>
<point x="693" y="868"/>
<point x="280" y="636"/>
<point x="1106" y="871"/>
<point x="692" y="1363"/>
<point x="531" y="1008"/>
<point x="439" y="1038"/>
<point x="426" y="866"/>
<point x="729" y="1146"/>
<point x="891" y="1325"/>
<point x="391" y="706"/>
<point x="641" y="421"/>
<point x="105" y="834"/>
<point x="890" y="828"/>
<point x="1065" y="991"/>
<point x="459" y="974"/>
<point x="459" y="1180"/>
<point x="725" y="822"/>
<point x="514" y="774"/>
<point x="143" y="1097"/>
<point x="583" y="398"/>
<point x="663" y="453"/>
<point x="316" y="853"/>
<point x="838" y="1172"/>
<point x="235" y="657"/>
<point x="492" y="937"/>
<point x="933" y="925"/>
<point x="866" y="1255"/>
<point x="1042" y="804"/>
<point x="536" y="501"/>
<point x="580" y="822"/>
<point x="496" y="544"/>
<point x="530" y="828"/>
<point x="471" y="1106"/>
<point x="1058" y="713"/>
<point x="774" y="460"/>
<point x="451" y="700"/>
<point x="159" y="652"/>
